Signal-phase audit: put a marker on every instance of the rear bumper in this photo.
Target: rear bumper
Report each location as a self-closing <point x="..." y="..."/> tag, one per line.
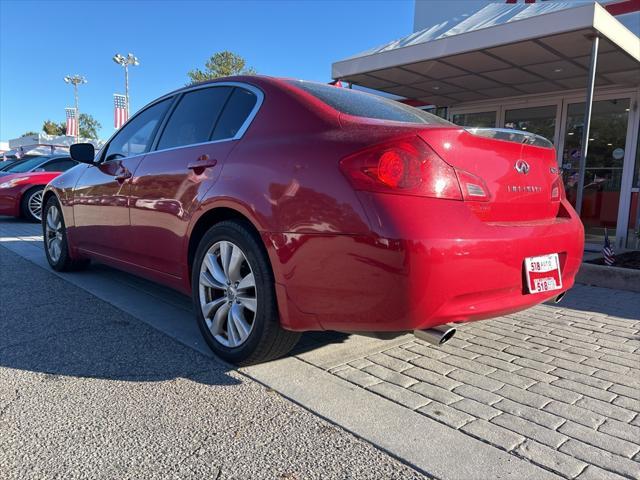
<point x="420" y="270"/>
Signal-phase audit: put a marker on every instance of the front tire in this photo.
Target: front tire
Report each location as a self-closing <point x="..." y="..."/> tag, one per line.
<point x="54" y="233"/>
<point x="234" y="296"/>
<point x="31" y="204"/>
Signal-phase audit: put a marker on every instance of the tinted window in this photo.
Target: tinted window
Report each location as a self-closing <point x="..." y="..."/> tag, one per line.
<point x="59" y="165"/>
<point x="193" y="119"/>
<point x="236" y="111"/>
<point x="137" y="135"/>
<point x="26" y="165"/>
<point x="361" y="104"/>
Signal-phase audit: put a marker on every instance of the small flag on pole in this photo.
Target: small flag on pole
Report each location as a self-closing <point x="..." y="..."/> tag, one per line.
<point x="120" y="114"/>
<point x="72" y="122"/>
<point x="607" y="250"/>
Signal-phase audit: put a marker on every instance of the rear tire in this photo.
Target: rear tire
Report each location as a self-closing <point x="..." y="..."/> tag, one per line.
<point x="54" y="232"/>
<point x="234" y="296"/>
<point x="31" y="204"/>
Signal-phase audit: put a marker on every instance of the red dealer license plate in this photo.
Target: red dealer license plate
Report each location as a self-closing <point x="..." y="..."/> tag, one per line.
<point x="543" y="273"/>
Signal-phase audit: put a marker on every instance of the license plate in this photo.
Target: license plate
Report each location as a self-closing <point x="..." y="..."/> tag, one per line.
<point x="543" y="273"/>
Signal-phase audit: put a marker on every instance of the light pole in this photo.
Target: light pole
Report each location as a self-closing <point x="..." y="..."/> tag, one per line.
<point x="76" y="80"/>
<point x="132" y="60"/>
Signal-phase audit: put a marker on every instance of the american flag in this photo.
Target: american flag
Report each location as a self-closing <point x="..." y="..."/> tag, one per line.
<point x="120" y="114"/>
<point x="607" y="250"/>
<point x="72" y="122"/>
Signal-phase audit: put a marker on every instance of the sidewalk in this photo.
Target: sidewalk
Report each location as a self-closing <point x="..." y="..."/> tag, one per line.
<point x="552" y="392"/>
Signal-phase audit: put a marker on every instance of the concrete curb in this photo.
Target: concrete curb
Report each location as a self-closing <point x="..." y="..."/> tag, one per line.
<point x="609" y="277"/>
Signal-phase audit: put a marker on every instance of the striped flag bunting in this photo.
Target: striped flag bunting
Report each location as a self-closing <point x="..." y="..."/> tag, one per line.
<point x="72" y="122"/>
<point x="607" y="250"/>
<point x="120" y="113"/>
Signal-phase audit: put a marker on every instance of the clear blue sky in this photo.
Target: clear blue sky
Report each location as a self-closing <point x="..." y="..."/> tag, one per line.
<point x="42" y="41"/>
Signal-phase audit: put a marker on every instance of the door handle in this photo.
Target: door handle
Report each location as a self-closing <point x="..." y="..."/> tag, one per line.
<point x="120" y="178"/>
<point x="202" y="162"/>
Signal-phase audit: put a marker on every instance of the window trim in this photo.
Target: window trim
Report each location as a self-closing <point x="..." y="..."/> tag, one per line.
<point x="173" y="108"/>
<point x="241" y="131"/>
<point x="103" y="151"/>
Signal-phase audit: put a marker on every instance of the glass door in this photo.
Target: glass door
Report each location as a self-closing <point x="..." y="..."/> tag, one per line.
<point x="633" y="228"/>
<point x="604" y="165"/>
<point x="475" y="119"/>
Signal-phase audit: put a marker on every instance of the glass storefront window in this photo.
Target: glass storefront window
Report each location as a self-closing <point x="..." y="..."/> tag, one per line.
<point x="605" y="159"/>
<point x="633" y="234"/>
<point x="479" y="119"/>
<point x="538" y="120"/>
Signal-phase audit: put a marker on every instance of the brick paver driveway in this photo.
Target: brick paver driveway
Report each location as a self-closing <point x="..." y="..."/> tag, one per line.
<point x="558" y="385"/>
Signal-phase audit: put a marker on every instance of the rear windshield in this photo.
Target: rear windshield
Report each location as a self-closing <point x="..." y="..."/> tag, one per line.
<point x="362" y="104"/>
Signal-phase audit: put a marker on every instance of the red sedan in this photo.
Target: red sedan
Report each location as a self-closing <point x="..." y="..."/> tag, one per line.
<point x="22" y="183"/>
<point x="284" y="206"/>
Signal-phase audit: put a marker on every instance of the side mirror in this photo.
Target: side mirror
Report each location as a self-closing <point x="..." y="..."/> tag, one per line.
<point x="83" y="152"/>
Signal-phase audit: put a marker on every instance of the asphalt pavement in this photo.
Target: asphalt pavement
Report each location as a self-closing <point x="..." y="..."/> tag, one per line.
<point x="88" y="391"/>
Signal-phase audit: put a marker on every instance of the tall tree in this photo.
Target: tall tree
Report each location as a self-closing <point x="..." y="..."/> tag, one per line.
<point x="89" y="126"/>
<point x="221" y="64"/>
<point x="52" y="128"/>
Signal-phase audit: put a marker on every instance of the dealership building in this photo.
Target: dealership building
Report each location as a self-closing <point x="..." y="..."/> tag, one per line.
<point x="569" y="71"/>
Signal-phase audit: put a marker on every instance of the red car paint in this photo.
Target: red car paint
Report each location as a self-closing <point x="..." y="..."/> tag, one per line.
<point x="11" y="197"/>
<point x="343" y="258"/>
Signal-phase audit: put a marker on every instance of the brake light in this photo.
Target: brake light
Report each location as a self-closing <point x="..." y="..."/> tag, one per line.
<point x="473" y="187"/>
<point x="408" y="166"/>
<point x="557" y="189"/>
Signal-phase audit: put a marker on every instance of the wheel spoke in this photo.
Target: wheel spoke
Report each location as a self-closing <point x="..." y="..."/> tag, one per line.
<point x="212" y="265"/>
<point x="208" y="309"/>
<point x="226" y="251"/>
<point x="232" y="332"/>
<point x="247" y="282"/>
<point x="207" y="280"/>
<point x="248" y="302"/>
<point x="239" y="321"/>
<point x="50" y="219"/>
<point x="216" y="323"/>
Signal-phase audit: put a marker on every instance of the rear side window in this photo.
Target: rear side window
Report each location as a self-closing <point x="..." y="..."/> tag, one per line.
<point x="238" y="108"/>
<point x="362" y="104"/>
<point x="194" y="119"/>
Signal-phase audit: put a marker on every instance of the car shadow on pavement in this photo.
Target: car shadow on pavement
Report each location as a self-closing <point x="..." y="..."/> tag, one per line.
<point x="52" y="327"/>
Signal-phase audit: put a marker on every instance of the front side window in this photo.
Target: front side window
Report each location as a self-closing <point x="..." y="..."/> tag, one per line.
<point x="235" y="113"/>
<point x="137" y="135"/>
<point x="194" y="118"/>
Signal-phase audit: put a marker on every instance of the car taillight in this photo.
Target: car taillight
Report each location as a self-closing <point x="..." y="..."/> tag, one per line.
<point x="557" y="189"/>
<point x="473" y="187"/>
<point x="408" y="166"/>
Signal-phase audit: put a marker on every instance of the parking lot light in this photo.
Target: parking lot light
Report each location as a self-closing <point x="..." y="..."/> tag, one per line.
<point x="123" y="61"/>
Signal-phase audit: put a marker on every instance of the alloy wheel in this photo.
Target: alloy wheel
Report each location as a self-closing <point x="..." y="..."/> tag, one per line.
<point x="35" y="205"/>
<point x="53" y="233"/>
<point x="228" y="294"/>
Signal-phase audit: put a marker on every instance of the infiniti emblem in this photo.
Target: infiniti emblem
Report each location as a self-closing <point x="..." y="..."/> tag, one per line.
<point x="522" y="167"/>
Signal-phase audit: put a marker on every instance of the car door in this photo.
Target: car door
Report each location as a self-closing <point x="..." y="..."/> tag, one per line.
<point x="101" y="195"/>
<point x="198" y="136"/>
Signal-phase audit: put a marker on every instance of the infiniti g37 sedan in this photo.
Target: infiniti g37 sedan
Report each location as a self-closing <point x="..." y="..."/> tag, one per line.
<point x="284" y="206"/>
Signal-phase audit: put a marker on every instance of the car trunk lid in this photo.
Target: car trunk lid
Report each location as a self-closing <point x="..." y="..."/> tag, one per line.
<point x="519" y="170"/>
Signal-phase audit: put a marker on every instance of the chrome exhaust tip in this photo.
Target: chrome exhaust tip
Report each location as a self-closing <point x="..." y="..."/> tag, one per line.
<point x="559" y="298"/>
<point x="437" y="335"/>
